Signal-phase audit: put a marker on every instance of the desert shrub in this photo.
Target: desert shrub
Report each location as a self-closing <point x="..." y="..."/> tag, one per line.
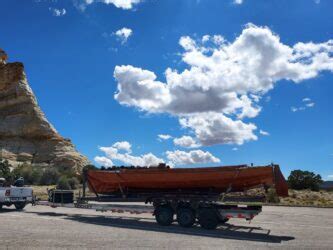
<point x="299" y="180"/>
<point x="5" y="170"/>
<point x="73" y="182"/>
<point x="66" y="183"/>
<point x="30" y="174"/>
<point x="50" y="176"/>
<point x="272" y="197"/>
<point x="63" y="183"/>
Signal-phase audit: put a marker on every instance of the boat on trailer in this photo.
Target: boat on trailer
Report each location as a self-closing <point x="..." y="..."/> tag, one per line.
<point x="213" y="180"/>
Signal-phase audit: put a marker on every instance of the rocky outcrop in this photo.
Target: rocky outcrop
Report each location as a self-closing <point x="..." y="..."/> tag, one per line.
<point x="25" y="133"/>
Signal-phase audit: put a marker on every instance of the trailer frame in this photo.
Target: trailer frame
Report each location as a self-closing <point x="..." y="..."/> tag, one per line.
<point x="209" y="209"/>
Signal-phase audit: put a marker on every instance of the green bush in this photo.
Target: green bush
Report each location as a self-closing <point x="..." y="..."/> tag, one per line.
<point x="5" y="170"/>
<point x="63" y="183"/>
<point x="299" y="180"/>
<point x="50" y="176"/>
<point x="31" y="175"/>
<point x="272" y="197"/>
<point x="66" y="183"/>
<point x="63" y="177"/>
<point x="73" y="182"/>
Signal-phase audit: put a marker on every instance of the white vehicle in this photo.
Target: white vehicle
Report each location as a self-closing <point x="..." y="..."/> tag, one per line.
<point x="17" y="196"/>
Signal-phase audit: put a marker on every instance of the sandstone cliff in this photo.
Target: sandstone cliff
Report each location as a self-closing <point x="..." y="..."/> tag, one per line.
<point x="25" y="133"/>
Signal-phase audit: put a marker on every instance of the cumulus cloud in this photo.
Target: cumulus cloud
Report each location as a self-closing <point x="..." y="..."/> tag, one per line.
<point x="186" y="142"/>
<point x="215" y="128"/>
<point x="123" y="4"/>
<point x="164" y="137"/>
<point x="104" y="161"/>
<point x="121" y="151"/>
<point x="57" y="12"/>
<point x="179" y="157"/>
<point x="123" y="34"/>
<point x="123" y="145"/>
<point x="223" y="82"/>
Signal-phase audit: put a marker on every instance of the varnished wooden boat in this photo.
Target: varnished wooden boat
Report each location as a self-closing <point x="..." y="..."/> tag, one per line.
<point x="213" y="179"/>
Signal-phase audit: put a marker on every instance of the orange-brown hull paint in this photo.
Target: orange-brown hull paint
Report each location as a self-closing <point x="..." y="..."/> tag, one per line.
<point x="219" y="179"/>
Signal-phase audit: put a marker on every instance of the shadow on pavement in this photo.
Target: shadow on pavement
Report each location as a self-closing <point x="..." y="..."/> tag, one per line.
<point x="225" y="231"/>
<point x="7" y="210"/>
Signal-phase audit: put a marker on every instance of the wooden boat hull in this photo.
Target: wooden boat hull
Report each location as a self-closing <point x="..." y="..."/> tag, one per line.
<point x="214" y="179"/>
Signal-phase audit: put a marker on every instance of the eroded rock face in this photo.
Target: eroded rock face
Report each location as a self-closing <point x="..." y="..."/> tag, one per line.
<point x="25" y="133"/>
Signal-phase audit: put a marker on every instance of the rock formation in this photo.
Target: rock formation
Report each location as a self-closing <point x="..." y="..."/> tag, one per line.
<point x="25" y="133"/>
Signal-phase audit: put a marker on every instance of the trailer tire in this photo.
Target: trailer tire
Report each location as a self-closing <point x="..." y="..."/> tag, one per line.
<point x="185" y="217"/>
<point x="208" y="218"/>
<point x="19" y="206"/>
<point x="224" y="219"/>
<point x="164" y="215"/>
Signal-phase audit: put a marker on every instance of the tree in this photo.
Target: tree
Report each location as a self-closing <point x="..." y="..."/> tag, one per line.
<point x="5" y="170"/>
<point x="30" y="174"/>
<point x="63" y="183"/>
<point x="50" y="176"/>
<point x="299" y="180"/>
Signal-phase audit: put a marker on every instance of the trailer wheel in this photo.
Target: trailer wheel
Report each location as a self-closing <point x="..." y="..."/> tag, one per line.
<point x="208" y="218"/>
<point x="185" y="217"/>
<point x="224" y="219"/>
<point x="19" y="206"/>
<point x="164" y="215"/>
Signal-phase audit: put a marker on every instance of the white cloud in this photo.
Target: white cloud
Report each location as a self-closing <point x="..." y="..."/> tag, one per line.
<point x="123" y="34"/>
<point x="238" y="1"/>
<point x="205" y="38"/>
<point x="123" y="145"/>
<point x="186" y="142"/>
<point x="104" y="161"/>
<point x="306" y="99"/>
<point x="113" y="153"/>
<point x="294" y="109"/>
<point x="123" y="4"/>
<point x="223" y="79"/>
<point x="262" y="132"/>
<point x="137" y="87"/>
<point x="307" y="103"/>
<point x="234" y="149"/>
<point x="215" y="128"/>
<point x="57" y="12"/>
<point x="192" y="157"/>
<point x="164" y="137"/>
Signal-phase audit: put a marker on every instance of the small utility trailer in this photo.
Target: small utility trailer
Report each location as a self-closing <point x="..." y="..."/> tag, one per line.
<point x="207" y="209"/>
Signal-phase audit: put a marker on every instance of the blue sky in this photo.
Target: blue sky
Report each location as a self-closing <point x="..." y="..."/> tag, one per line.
<point x="71" y="49"/>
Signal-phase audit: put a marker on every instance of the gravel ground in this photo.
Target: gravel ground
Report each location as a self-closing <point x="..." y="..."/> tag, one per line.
<point x="50" y="228"/>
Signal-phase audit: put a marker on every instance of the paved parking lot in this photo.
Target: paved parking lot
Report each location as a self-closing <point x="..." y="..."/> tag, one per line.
<point x="276" y="227"/>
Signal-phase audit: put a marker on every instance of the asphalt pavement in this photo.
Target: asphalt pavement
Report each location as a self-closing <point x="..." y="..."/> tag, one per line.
<point x="43" y="227"/>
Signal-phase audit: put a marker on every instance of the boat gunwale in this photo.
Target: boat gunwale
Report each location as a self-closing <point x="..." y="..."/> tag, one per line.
<point x="179" y="170"/>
